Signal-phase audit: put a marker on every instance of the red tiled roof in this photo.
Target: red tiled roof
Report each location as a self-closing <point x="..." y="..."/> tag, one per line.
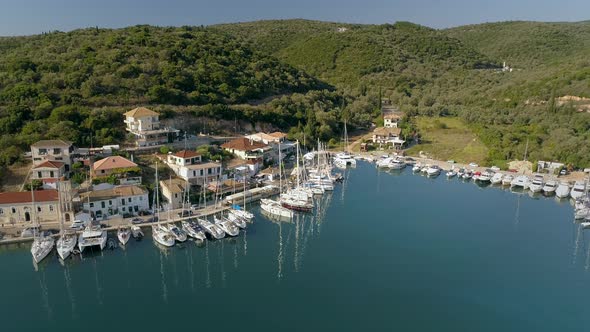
<point x="112" y="163"/>
<point x="243" y="144"/>
<point x="26" y="197"/>
<point x="278" y="134"/>
<point x="50" y="164"/>
<point x="140" y="112"/>
<point x="186" y="154"/>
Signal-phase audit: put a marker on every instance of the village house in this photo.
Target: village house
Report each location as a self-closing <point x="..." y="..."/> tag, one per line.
<point x="48" y="171"/>
<point x="144" y="125"/>
<point x="112" y="165"/>
<point x="188" y="166"/>
<point x="184" y="158"/>
<point x="53" y="150"/>
<point x="17" y="207"/>
<point x="388" y="136"/>
<point x="173" y="191"/>
<point x="274" y="141"/>
<point x="246" y="148"/>
<point x="269" y="174"/>
<point x="391" y="114"/>
<point x="121" y="200"/>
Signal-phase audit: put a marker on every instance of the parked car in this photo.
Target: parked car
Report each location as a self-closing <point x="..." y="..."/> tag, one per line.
<point x="137" y="221"/>
<point x="195" y="206"/>
<point x="563" y="172"/>
<point x="473" y="165"/>
<point x="78" y="224"/>
<point x="144" y="213"/>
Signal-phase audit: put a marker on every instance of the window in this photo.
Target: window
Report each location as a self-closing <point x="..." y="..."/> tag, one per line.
<point x="123" y="209"/>
<point x="50" y="208"/>
<point x="56" y="151"/>
<point x="102" y="204"/>
<point x="129" y="199"/>
<point x="59" y="158"/>
<point x="122" y="201"/>
<point x="141" y="198"/>
<point x="136" y="208"/>
<point x="102" y="171"/>
<point x="175" y="195"/>
<point x="1" y="211"/>
<point x="38" y="208"/>
<point x="194" y="173"/>
<point x="201" y="172"/>
<point x="39" y="175"/>
<point x="91" y="205"/>
<point x="51" y="174"/>
<point x="110" y="202"/>
<point x="209" y="170"/>
<point x="13" y="209"/>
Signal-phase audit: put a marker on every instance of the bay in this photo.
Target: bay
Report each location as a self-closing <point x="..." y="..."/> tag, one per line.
<point x="386" y="251"/>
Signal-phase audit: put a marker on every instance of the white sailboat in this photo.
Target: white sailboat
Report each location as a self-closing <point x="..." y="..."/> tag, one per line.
<point x="178" y="234"/>
<point x="68" y="239"/>
<point x="227" y="226"/>
<point x="194" y="230"/>
<point x="123" y="234"/>
<point x="236" y="219"/>
<point x="298" y="198"/>
<point x="275" y="208"/>
<point x="344" y="159"/>
<point x="162" y="236"/>
<point x="42" y="244"/>
<point x="215" y="231"/>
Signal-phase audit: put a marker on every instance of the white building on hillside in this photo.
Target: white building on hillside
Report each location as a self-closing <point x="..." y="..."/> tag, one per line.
<point x="145" y="125"/>
<point x="117" y="200"/>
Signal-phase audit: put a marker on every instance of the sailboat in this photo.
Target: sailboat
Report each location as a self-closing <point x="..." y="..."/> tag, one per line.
<point x="272" y="206"/>
<point x="236" y="219"/>
<point x="162" y="236"/>
<point x="298" y="198"/>
<point x="193" y="229"/>
<point x="42" y="244"/>
<point x="227" y="226"/>
<point x="178" y="233"/>
<point x="123" y="234"/>
<point x="67" y="239"/>
<point x="212" y="229"/>
<point x="344" y="159"/>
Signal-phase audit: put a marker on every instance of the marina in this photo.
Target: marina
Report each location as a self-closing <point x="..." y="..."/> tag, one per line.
<point x="462" y="253"/>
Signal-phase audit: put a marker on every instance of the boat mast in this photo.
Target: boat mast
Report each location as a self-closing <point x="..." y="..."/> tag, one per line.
<point x="157" y="195"/>
<point x="33" y="214"/>
<point x="297" y="143"/>
<point x="280" y="172"/>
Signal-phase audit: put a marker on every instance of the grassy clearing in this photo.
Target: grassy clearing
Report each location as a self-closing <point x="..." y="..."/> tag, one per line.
<point x="449" y="138"/>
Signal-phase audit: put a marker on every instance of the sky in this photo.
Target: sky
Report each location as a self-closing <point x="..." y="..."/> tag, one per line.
<point x="25" y="17"/>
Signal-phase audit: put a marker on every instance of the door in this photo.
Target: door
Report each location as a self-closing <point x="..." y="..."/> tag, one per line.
<point x="27" y="216"/>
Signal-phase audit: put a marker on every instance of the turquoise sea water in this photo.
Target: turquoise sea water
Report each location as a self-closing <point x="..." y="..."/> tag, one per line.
<point x="387" y="251"/>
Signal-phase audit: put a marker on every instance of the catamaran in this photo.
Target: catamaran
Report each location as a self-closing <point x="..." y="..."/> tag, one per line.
<point x="93" y="235"/>
<point x="344" y="159"/>
<point x="578" y="190"/>
<point x="215" y="231"/>
<point x="507" y="180"/>
<point x="563" y="190"/>
<point x="521" y="181"/>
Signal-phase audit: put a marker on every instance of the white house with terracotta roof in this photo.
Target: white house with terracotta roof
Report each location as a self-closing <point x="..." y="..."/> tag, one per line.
<point x="385" y="136"/>
<point x="246" y="148"/>
<point x="48" y="170"/>
<point x="53" y="150"/>
<point x="184" y="158"/>
<point x="144" y="124"/>
<point x="110" y="165"/>
<point x="116" y="200"/>
<point x="17" y="207"/>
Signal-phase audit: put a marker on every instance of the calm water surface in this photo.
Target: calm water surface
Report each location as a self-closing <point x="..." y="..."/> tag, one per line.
<point x="386" y="252"/>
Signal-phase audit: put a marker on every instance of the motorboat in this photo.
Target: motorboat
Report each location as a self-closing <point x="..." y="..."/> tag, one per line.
<point x="179" y="234"/>
<point x="485" y="176"/>
<point x="42" y="246"/>
<point x="578" y="190"/>
<point x="396" y="163"/>
<point x="212" y="229"/>
<point x="424" y="169"/>
<point x="237" y="220"/>
<point x="162" y="236"/>
<point x="296" y="204"/>
<point x="433" y="170"/>
<point x="563" y="190"/>
<point x="193" y="229"/>
<point x="136" y="232"/>
<point x="497" y="178"/>
<point x="93" y="235"/>
<point x="468" y="175"/>
<point x="460" y="172"/>
<point x="417" y="168"/>
<point x="451" y="173"/>
<point x="585" y="224"/>
<point x="227" y="226"/>
<point x="475" y="176"/>
<point x="275" y="208"/>
<point x="521" y="181"/>
<point x="66" y="244"/>
<point x="123" y="234"/>
<point x="550" y="187"/>
<point x="582" y="213"/>
<point x="384" y="163"/>
<point x="507" y="180"/>
<point x="537" y="184"/>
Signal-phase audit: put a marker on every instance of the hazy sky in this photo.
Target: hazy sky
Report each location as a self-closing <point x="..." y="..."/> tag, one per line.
<point x="21" y="17"/>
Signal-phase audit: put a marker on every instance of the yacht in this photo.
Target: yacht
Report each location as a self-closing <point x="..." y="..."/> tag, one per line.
<point x="239" y="221"/>
<point x="42" y="246"/>
<point x="578" y="190"/>
<point x="384" y="163"/>
<point x="563" y="190"/>
<point x="497" y="178"/>
<point x="537" y="184"/>
<point x="136" y="232"/>
<point x="296" y="204"/>
<point x="123" y="234"/>
<point x="193" y="229"/>
<point x="215" y="231"/>
<point x="550" y="187"/>
<point x="227" y="226"/>
<point x="162" y="236"/>
<point x="344" y="159"/>
<point x="507" y="180"/>
<point x="66" y="244"/>
<point x="275" y="208"/>
<point x="92" y="236"/>
<point x="397" y="164"/>
<point x="521" y="181"/>
<point x="178" y="234"/>
<point x="433" y="170"/>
